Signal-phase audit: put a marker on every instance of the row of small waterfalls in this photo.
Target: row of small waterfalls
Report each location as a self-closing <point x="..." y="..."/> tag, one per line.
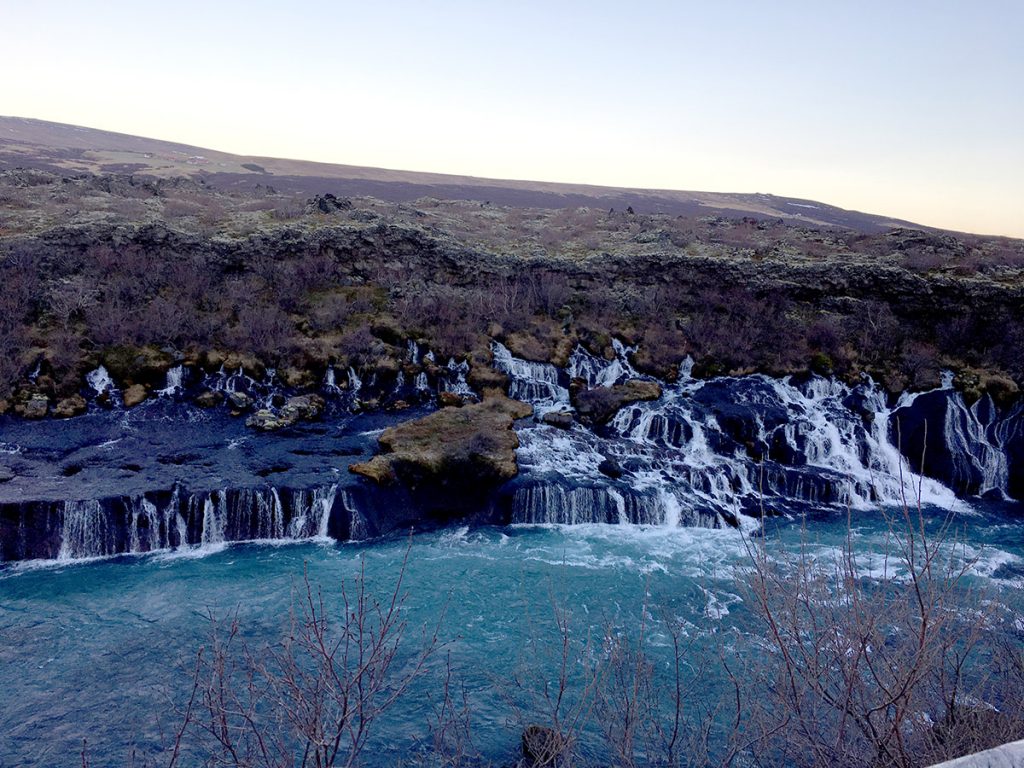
<point x="713" y="453"/>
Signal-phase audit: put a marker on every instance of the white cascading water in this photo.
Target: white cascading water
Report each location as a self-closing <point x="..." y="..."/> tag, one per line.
<point x="89" y="529"/>
<point x="534" y="383"/>
<point x="99" y="380"/>
<point x="238" y="381"/>
<point x="330" y="385"/>
<point x="214" y="514"/>
<point x="85" y="531"/>
<point x="977" y="437"/>
<point x="686" y="469"/>
<point x="102" y="384"/>
<point x="354" y="382"/>
<point x="175" y="383"/>
<point x="837" y="439"/>
<point x="598" y="372"/>
<point x="455" y="381"/>
<point x="323" y="501"/>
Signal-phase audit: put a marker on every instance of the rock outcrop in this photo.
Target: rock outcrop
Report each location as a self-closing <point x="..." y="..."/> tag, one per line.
<point x="450" y="459"/>
<point x="70" y="406"/>
<point x="36" y="407"/>
<point x="600" y="404"/>
<point x="295" y="409"/>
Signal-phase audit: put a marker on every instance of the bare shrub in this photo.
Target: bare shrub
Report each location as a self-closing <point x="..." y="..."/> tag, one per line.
<point x="870" y="669"/>
<point x="314" y="698"/>
<point x="552" y="695"/>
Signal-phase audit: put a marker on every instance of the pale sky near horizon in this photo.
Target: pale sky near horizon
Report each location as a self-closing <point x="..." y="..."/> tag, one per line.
<point x="905" y="108"/>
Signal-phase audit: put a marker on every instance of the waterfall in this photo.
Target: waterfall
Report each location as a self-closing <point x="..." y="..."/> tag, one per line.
<point x="354" y="382"/>
<point x="559" y="504"/>
<point x="711" y="452"/>
<point x="330" y="385"/>
<point x="86" y="531"/>
<point x="99" y="380"/>
<point x="239" y="382"/>
<point x="213" y="519"/>
<point x="413" y="355"/>
<point x="532" y="382"/>
<point x="310" y="511"/>
<point x="149" y="523"/>
<point x="422" y="385"/>
<point x="598" y="372"/>
<point x="323" y="501"/>
<point x="455" y="378"/>
<point x="102" y="385"/>
<point x="175" y="383"/>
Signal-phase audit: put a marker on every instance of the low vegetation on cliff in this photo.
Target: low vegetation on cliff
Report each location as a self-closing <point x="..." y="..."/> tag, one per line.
<point x="139" y="274"/>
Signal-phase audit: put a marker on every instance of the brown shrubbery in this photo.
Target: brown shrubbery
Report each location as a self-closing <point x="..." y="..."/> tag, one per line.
<point x="738" y="295"/>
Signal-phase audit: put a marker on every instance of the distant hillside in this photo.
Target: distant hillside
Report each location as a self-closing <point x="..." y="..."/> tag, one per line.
<point x="28" y="143"/>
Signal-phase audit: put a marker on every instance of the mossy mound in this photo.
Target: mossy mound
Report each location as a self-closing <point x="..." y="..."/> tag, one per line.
<point x="451" y="457"/>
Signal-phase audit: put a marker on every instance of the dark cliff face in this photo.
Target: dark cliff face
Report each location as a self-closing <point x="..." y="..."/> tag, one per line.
<point x="974" y="450"/>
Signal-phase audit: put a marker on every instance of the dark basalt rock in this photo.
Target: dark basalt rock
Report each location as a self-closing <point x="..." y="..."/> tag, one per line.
<point x="294" y="410"/>
<point x="449" y="400"/>
<point x="600" y="404"/>
<point x="134" y="395"/>
<point x="611" y="468"/>
<point x="240" y="403"/>
<point x="36" y="407"/>
<point x="560" y="419"/>
<point x="209" y="399"/>
<point x="328" y="203"/>
<point x="70" y="406"/>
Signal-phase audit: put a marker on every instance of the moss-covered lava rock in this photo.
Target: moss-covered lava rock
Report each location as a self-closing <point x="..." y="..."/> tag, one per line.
<point x="449" y="458"/>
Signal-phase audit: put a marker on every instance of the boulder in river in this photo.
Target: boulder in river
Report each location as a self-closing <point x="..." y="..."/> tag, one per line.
<point x="560" y="419"/>
<point x="70" y="406"/>
<point x="294" y="410"/>
<point x="36" y="407"/>
<point x="211" y="398"/>
<point x="134" y="395"/>
<point x="240" y="403"/>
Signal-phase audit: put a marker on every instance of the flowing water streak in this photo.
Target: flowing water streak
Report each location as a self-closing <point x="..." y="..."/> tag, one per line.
<point x="330" y="385"/>
<point x="84" y="531"/>
<point x="535" y="383"/>
<point x="175" y="383"/>
<point x="99" y="380"/>
<point x="455" y="379"/>
<point x="354" y="382"/>
<point x="976" y="438"/>
<point x="136" y="525"/>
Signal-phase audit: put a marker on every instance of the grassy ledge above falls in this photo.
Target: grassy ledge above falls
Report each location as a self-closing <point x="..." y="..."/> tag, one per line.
<point x="451" y="457"/>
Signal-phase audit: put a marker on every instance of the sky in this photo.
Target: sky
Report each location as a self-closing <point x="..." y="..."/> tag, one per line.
<point x="903" y="108"/>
